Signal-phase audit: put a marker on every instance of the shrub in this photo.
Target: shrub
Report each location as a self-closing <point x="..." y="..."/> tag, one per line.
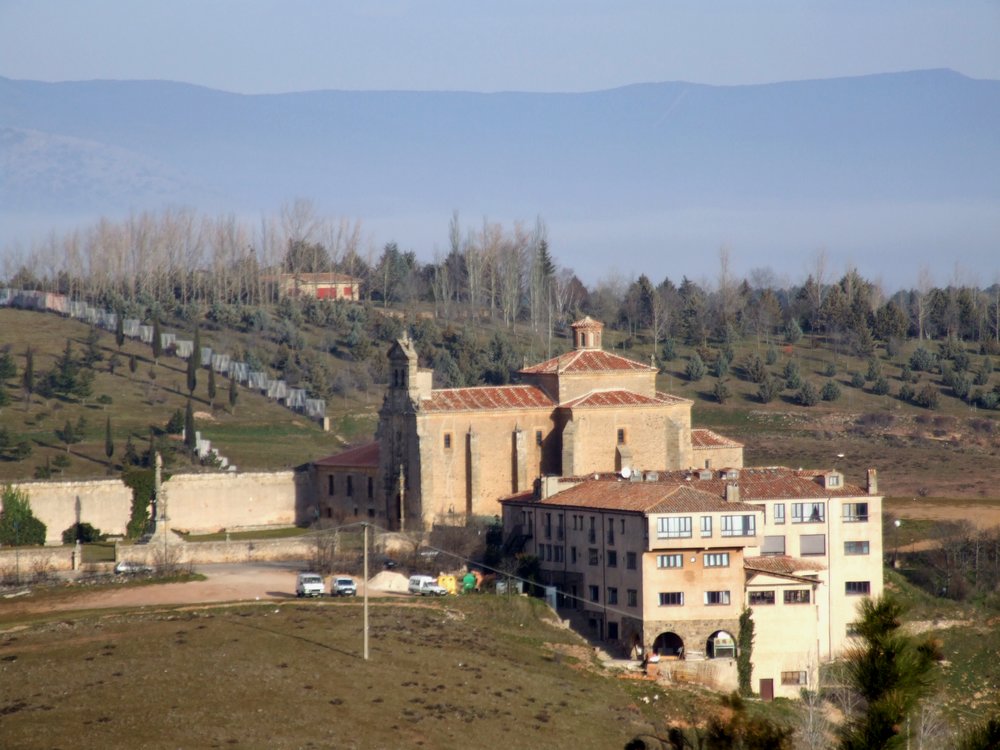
<point x="807" y="395"/>
<point x="753" y="368"/>
<point x="768" y="390"/>
<point x="793" y="379"/>
<point x="669" y="350"/>
<point x="858" y="380"/>
<point x="721" y="392"/>
<point x="175" y="425"/>
<point x="874" y="369"/>
<point x="771" y="355"/>
<point x="961" y="384"/>
<point x="922" y="360"/>
<point x="830" y="370"/>
<point x="927" y="397"/>
<point x="905" y="373"/>
<point x="720" y="368"/>
<point x="695" y="369"/>
<point x="906" y="392"/>
<point x="831" y="391"/>
<point x="881" y="386"/>
<point x="18" y="525"/>
<point x="86" y="533"/>
<point x="793" y="332"/>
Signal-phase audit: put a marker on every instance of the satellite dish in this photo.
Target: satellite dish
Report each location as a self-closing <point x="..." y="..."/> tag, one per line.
<point x="626" y="472"/>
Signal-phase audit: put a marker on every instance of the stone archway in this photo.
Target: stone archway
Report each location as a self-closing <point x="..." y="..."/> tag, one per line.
<point x="669" y="644"/>
<point x="720" y="645"/>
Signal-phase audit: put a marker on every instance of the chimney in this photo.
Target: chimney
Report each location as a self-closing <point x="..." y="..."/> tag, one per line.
<point x="732" y="492"/>
<point x="872" y="482"/>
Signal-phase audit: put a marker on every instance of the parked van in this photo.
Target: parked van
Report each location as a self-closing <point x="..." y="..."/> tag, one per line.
<point x="425" y="586"/>
<point x="309" y="584"/>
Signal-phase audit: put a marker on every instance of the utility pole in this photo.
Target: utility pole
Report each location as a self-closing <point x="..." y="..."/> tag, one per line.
<point x="365" y="582"/>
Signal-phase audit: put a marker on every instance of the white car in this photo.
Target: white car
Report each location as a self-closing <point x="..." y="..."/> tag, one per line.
<point x="127" y="567"/>
<point x="309" y="584"/>
<point x="425" y="586"/>
<point x="343" y="586"/>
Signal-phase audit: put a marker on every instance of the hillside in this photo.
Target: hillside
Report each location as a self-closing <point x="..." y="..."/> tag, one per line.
<point x="949" y="451"/>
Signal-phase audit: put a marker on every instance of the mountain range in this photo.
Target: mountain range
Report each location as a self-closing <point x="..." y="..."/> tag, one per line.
<point x="861" y="165"/>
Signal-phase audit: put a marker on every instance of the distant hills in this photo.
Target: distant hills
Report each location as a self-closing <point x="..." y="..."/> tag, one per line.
<point x="662" y="165"/>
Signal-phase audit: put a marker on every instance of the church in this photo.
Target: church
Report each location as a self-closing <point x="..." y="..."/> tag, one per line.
<point x="443" y="455"/>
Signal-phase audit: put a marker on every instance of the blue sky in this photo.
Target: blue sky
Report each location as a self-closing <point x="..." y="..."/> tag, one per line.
<point x="256" y="46"/>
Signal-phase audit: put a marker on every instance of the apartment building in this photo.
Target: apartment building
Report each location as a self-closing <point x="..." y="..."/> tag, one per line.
<point x="667" y="561"/>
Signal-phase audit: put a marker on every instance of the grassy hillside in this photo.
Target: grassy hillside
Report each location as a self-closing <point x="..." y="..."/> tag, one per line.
<point x="947" y="451"/>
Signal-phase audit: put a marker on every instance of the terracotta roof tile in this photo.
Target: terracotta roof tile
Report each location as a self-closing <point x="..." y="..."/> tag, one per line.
<point x="782" y="564"/>
<point x="361" y="456"/>
<point x="709" y="439"/>
<point x="642" y="497"/>
<point x="487" y="398"/>
<point x="587" y="360"/>
<point x="620" y="397"/>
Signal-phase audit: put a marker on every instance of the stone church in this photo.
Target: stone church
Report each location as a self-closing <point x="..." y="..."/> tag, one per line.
<point x="442" y="455"/>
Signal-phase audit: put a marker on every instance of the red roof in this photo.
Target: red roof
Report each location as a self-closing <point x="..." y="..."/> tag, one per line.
<point x="708" y="439"/>
<point x="781" y="564"/>
<point x="360" y="456"/>
<point x="487" y="398"/>
<point x="587" y="360"/>
<point x="642" y="497"/>
<point x="612" y="398"/>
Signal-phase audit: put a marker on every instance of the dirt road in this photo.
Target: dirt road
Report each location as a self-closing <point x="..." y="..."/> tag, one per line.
<point x="225" y="583"/>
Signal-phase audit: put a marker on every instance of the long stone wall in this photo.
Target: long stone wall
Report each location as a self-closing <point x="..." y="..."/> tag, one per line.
<point x="199" y="503"/>
<point x="194" y="553"/>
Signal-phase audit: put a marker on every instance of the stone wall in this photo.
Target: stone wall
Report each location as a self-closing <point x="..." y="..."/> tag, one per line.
<point x="195" y="553"/>
<point x="32" y="560"/>
<point x="200" y="503"/>
<point x="103" y="503"/>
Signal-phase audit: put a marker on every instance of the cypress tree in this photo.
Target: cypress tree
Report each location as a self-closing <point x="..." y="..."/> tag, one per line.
<point x="233" y="395"/>
<point x="211" y="387"/>
<point x="28" y="379"/>
<point x="192" y="375"/>
<point x="157" y="341"/>
<point x="109" y="443"/>
<point x="196" y="348"/>
<point x="132" y="364"/>
<point x="120" y="329"/>
<point x="189" y="438"/>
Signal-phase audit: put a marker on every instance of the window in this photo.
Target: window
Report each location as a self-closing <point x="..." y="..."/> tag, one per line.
<point x="350" y="486"/>
<point x="371" y="487"/>
<point x="793" y="678"/>
<point x="612" y="559"/>
<point x="611" y="531"/>
<point x="330" y="486"/>
<point x="670" y="561"/>
<point x="630" y="561"/>
<point x="560" y="531"/>
<point x="716" y="560"/>
<point x="572" y="555"/>
<point x="548" y="526"/>
<point x="632" y="597"/>
<point x="833" y="480"/>
<point x="716" y="597"/>
<point x="592" y="556"/>
<point x="538" y="437"/>
<point x="673" y="527"/>
<point x="761" y="598"/>
<point x="808" y="513"/>
<point x="739" y="526"/>
<point x="773" y="545"/>
<point x="855" y="548"/>
<point x="855" y="512"/>
<point x="592" y="533"/>
<point x="797" y="596"/>
<point x="447" y="441"/>
<point x="706" y="526"/>
<point x="612" y="595"/>
<point x="779" y="512"/>
<point x="595" y="594"/>
<point x="621" y="436"/>
<point x="812" y="544"/>
<point x="671" y="598"/>
<point x="857" y="588"/>
<point x="558" y="553"/>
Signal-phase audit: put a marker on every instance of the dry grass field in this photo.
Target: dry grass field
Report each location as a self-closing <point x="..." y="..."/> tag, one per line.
<point x="477" y="672"/>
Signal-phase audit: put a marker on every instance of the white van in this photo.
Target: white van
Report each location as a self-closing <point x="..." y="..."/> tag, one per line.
<point x="309" y="584"/>
<point x="425" y="586"/>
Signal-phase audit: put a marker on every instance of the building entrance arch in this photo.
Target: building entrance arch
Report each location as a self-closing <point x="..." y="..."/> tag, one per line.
<point x="669" y="644"/>
<point x="720" y="645"/>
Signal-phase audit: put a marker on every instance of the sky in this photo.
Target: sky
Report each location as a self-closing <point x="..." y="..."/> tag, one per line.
<point x="269" y="46"/>
<point x="265" y="46"/>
